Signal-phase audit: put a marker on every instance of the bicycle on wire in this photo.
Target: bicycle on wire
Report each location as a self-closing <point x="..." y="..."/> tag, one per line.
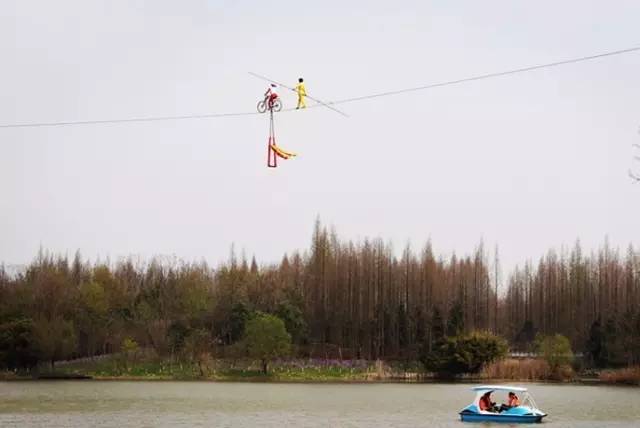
<point x="265" y="104"/>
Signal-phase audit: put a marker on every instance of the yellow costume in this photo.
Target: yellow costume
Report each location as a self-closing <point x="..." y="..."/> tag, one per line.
<point x="302" y="92"/>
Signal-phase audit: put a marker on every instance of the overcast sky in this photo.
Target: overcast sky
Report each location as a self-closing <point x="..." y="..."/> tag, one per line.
<point x="528" y="162"/>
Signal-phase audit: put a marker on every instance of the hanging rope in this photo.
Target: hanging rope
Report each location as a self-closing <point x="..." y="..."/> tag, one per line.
<point x="272" y="160"/>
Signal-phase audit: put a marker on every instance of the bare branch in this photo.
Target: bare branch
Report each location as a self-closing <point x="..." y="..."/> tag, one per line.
<point x="637" y="158"/>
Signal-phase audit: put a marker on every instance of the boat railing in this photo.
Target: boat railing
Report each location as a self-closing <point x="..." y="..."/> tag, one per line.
<point x="528" y="400"/>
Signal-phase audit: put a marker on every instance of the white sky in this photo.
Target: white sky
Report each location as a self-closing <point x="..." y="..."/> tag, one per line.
<point x="528" y="162"/>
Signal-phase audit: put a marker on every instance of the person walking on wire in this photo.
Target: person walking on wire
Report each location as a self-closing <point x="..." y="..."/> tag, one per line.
<point x="302" y="93"/>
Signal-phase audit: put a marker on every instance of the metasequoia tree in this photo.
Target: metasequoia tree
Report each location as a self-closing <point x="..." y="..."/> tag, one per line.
<point x="338" y="299"/>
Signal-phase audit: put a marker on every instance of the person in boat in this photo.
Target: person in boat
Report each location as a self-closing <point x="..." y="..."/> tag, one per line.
<point x="486" y="404"/>
<point x="514" y="401"/>
<point x="271" y="95"/>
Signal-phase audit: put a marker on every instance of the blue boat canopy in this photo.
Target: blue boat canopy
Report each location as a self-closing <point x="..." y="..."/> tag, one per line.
<point x="499" y="388"/>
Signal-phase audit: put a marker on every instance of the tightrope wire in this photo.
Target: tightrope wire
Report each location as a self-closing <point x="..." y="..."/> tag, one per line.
<point x="329" y="104"/>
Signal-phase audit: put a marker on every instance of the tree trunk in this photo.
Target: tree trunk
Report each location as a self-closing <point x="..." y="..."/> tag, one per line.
<point x="264" y="366"/>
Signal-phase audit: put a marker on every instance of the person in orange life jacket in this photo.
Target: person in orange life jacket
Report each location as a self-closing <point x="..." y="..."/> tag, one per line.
<point x="486" y="404"/>
<point x="514" y="401"/>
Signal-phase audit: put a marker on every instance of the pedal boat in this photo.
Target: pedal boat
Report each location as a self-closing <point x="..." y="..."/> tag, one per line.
<point x="527" y="412"/>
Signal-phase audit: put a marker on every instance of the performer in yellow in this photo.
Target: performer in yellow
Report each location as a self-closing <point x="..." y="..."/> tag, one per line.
<point x="302" y="92"/>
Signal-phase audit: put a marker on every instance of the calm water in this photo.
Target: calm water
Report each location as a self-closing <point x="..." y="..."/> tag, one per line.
<point x="208" y="404"/>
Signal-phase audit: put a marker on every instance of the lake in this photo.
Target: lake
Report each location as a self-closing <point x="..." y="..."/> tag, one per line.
<point x="210" y="404"/>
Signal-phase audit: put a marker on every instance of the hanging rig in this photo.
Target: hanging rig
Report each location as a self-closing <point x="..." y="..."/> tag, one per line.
<point x="273" y="151"/>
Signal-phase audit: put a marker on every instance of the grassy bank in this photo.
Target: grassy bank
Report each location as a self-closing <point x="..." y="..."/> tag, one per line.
<point x="528" y="370"/>
<point x="316" y="370"/>
<point x="300" y="370"/>
<point x="535" y="370"/>
<point x="625" y="376"/>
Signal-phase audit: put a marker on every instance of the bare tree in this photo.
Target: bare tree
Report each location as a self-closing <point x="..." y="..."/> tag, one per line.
<point x="634" y="175"/>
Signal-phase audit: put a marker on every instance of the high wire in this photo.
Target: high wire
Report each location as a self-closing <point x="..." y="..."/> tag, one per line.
<point x="329" y="104"/>
<point x="134" y="119"/>
<point x="488" y="75"/>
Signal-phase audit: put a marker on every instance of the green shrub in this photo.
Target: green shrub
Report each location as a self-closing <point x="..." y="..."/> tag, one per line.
<point x="265" y="338"/>
<point x="556" y="350"/>
<point x="464" y="354"/>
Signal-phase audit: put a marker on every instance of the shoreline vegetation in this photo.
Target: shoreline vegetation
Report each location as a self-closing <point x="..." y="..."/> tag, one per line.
<point x="339" y="311"/>
<point x="508" y="370"/>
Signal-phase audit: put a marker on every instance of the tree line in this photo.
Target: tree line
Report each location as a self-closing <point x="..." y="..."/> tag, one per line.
<point x="593" y="299"/>
<point x="338" y="299"/>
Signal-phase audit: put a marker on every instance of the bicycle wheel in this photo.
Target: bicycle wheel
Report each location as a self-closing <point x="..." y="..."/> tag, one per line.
<point x="277" y="105"/>
<point x="262" y="106"/>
